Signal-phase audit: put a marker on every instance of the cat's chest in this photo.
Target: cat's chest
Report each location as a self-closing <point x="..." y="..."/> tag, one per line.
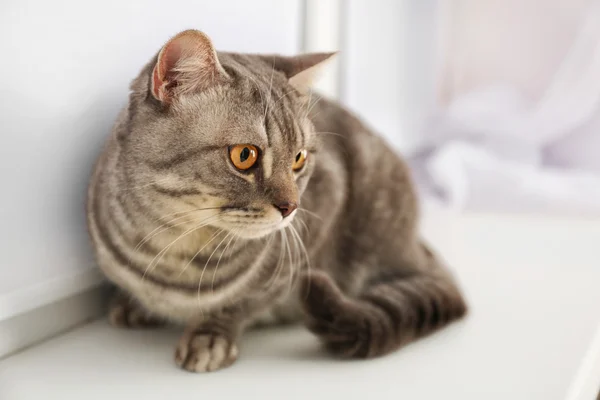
<point x="190" y="282"/>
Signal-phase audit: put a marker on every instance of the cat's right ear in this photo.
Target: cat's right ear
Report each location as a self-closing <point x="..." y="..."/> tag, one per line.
<point x="188" y="63"/>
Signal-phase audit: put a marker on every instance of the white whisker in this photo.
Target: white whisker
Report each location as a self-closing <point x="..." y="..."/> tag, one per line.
<point x="311" y="107"/>
<point x="213" y="237"/>
<point x="257" y="87"/>
<point x="282" y="97"/>
<point x="166" y="248"/>
<point x="273" y="279"/>
<point x="207" y="261"/>
<point x="308" y="104"/>
<point x="331" y="133"/>
<point x="270" y="90"/>
<point x="303" y="223"/>
<point x="154" y="232"/>
<point x="291" y="266"/>
<point x="310" y="213"/>
<point x="303" y="248"/>
<point x="233" y="236"/>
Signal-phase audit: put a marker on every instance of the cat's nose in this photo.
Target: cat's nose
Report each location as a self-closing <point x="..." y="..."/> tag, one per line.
<point x="286" y="208"/>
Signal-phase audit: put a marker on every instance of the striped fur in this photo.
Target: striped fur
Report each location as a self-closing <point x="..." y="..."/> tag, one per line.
<point x="188" y="238"/>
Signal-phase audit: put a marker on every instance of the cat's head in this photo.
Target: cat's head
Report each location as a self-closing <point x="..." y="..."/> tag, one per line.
<point x="225" y="133"/>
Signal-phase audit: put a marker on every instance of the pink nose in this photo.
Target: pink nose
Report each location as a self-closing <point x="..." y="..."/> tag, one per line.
<point x="286" y="208"/>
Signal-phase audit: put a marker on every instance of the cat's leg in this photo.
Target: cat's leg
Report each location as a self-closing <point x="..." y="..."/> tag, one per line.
<point x="394" y="307"/>
<point x="209" y="345"/>
<point x="125" y="312"/>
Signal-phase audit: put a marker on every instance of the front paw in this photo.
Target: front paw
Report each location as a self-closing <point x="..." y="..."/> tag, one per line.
<point x="123" y="312"/>
<point x="205" y="351"/>
<point x="338" y="321"/>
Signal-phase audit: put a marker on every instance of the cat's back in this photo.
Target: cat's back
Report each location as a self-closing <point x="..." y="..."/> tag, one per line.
<point x="374" y="182"/>
<point x="364" y="153"/>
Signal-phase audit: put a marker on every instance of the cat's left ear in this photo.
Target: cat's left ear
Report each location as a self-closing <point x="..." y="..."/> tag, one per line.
<point x="301" y="70"/>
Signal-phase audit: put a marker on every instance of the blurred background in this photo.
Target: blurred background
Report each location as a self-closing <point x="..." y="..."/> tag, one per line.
<point x="495" y="104"/>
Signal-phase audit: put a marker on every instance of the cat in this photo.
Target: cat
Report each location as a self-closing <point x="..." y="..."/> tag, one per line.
<point x="230" y="195"/>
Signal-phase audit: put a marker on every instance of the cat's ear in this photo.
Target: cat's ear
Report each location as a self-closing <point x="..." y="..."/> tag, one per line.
<point x="307" y="68"/>
<point x="187" y="63"/>
<point x="301" y="70"/>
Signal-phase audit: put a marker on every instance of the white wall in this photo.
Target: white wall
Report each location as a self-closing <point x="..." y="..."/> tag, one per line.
<point x="514" y="42"/>
<point x="388" y="67"/>
<point x="66" y="67"/>
<point x="65" y="70"/>
<point x="323" y="21"/>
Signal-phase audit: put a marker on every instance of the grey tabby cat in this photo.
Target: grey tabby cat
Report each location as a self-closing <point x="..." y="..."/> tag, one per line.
<point x="228" y="196"/>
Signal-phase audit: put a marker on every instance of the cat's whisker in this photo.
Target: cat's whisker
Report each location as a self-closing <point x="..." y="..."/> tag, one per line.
<point x="207" y="261"/>
<point x="311" y="107"/>
<point x="332" y="134"/>
<point x="270" y="91"/>
<point x="257" y="87"/>
<point x="280" y="262"/>
<point x="315" y="115"/>
<point x="281" y="98"/>
<point x="233" y="236"/>
<point x="310" y="213"/>
<point x="283" y="248"/>
<point x="303" y="248"/>
<point x="270" y="240"/>
<point x="235" y="243"/>
<point x="155" y="233"/>
<point x="161" y="254"/>
<point x="237" y="239"/>
<point x="291" y="261"/>
<point x="303" y="224"/>
<point x="336" y="144"/>
<point x="162" y="217"/>
<point x="308" y="104"/>
<point x="306" y="255"/>
<point x="199" y="251"/>
<point x="202" y="223"/>
<point x="297" y="247"/>
<point x="297" y="264"/>
<point x="272" y="277"/>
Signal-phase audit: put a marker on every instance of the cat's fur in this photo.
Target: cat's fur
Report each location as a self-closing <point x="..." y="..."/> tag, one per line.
<point x="188" y="238"/>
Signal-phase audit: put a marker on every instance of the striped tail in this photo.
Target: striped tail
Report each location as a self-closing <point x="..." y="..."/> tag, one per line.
<point x="390" y="312"/>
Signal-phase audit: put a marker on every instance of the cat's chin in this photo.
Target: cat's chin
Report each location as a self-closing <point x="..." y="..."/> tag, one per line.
<point x="260" y="232"/>
<point x="256" y="234"/>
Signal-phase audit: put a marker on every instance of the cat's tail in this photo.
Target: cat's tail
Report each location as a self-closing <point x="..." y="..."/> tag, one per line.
<point x="392" y="310"/>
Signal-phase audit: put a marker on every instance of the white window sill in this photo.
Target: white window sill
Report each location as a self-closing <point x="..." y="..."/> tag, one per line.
<point x="532" y="284"/>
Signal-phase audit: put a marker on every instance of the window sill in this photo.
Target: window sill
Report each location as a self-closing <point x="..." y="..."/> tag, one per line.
<point x="532" y="333"/>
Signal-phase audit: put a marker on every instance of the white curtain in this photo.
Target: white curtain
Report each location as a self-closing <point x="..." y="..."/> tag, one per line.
<point x="518" y="124"/>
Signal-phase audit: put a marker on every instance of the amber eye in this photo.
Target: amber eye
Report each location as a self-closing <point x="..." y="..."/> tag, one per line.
<point x="243" y="156"/>
<point x="299" y="160"/>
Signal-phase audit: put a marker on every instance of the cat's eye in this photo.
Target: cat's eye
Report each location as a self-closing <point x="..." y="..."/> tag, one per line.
<point x="243" y="156"/>
<point x="299" y="160"/>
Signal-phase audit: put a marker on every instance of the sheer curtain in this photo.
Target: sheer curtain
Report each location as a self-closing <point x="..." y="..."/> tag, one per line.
<point x="518" y="121"/>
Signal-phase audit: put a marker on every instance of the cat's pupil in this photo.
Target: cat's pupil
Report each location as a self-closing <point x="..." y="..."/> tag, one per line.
<point x="244" y="154"/>
<point x="298" y="157"/>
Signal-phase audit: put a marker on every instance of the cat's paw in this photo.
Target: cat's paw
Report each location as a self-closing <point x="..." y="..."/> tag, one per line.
<point x="124" y="313"/>
<point x="337" y="320"/>
<point x="205" y="351"/>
